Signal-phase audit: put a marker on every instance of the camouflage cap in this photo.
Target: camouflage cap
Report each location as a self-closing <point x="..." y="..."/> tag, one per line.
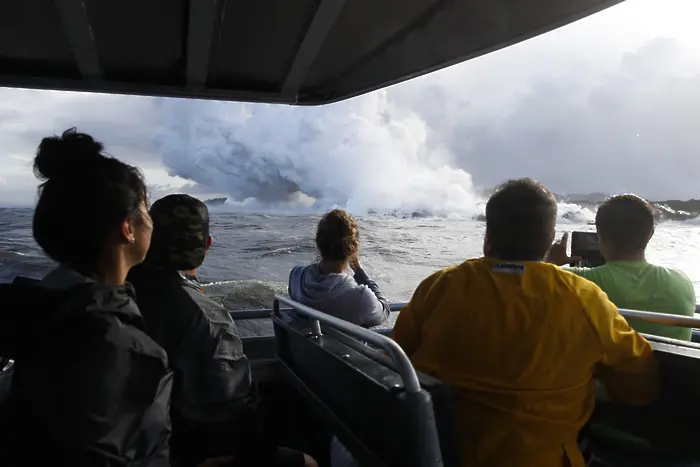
<point x="180" y="233"/>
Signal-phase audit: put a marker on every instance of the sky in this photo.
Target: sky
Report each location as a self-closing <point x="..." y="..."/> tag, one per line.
<point x="607" y="104"/>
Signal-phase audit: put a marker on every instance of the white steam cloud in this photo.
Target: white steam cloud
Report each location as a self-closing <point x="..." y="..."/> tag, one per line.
<point x="368" y="154"/>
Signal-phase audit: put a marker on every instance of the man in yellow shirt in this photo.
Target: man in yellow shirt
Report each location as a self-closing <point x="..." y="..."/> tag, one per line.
<point x="518" y="340"/>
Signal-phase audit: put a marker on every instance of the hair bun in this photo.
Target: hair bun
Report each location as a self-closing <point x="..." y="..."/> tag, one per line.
<point x="61" y="156"/>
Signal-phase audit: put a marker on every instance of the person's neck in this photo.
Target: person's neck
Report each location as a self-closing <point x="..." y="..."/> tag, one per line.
<point x="190" y="272"/>
<point x="638" y="256"/>
<point x="114" y="274"/>
<point x="333" y="267"/>
<point x="511" y="260"/>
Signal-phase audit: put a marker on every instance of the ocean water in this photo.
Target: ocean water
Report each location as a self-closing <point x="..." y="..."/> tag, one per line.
<point x="252" y="254"/>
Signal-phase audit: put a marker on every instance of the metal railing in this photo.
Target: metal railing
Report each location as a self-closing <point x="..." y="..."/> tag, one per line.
<point x="661" y="318"/>
<point x="398" y="358"/>
<point x="647" y="316"/>
<point x="260" y="313"/>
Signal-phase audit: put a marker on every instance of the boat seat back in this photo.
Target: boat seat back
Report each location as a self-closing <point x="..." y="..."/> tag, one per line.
<point x="363" y="401"/>
<point x="695" y="336"/>
<point x="668" y="426"/>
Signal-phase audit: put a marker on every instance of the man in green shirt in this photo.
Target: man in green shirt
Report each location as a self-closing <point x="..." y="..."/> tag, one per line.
<point x="625" y="224"/>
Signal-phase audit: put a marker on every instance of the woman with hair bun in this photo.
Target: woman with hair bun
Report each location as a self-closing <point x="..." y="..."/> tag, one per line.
<point x="325" y="286"/>
<point x="90" y="387"/>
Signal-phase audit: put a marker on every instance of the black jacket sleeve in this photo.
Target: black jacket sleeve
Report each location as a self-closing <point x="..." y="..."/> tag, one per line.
<point x="214" y="371"/>
<point x="103" y="395"/>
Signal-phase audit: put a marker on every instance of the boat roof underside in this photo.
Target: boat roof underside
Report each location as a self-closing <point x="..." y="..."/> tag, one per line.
<point x="297" y="52"/>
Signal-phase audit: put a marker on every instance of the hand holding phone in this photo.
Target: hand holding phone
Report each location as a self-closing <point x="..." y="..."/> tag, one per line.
<point x="558" y="252"/>
<point x="584" y="246"/>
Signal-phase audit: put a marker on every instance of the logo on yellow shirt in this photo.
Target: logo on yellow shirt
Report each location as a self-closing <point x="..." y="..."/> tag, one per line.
<point x="509" y="268"/>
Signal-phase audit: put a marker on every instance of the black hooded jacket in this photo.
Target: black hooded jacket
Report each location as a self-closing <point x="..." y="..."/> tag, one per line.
<point x="212" y="389"/>
<point x="89" y="388"/>
<point x="212" y="374"/>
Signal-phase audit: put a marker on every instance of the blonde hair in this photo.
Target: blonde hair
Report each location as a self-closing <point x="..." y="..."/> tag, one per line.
<point x="337" y="236"/>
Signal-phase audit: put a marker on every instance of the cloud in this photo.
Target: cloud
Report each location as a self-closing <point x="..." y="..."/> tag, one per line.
<point x="369" y="153"/>
<point x="125" y="123"/>
<point x="28" y="115"/>
<point x="606" y="104"/>
<point x="631" y="130"/>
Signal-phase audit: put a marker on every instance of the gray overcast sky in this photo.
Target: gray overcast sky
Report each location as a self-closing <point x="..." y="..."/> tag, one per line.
<point x="606" y="104"/>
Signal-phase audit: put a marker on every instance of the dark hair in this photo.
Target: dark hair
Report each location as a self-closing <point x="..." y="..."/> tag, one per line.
<point x="337" y="236"/>
<point x="180" y="233"/>
<point x="85" y="194"/>
<point x="520" y="220"/>
<point x="625" y="222"/>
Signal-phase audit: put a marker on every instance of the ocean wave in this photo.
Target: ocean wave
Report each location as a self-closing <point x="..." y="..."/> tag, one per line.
<point x="568" y="213"/>
<point x="292" y="247"/>
<point x="572" y="210"/>
<point x="692" y="222"/>
<point x="11" y="254"/>
<point x="664" y="211"/>
<point x="391" y="252"/>
<point x="245" y="294"/>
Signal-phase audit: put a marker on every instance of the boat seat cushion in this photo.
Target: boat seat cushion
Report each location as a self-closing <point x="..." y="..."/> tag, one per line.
<point x="364" y="403"/>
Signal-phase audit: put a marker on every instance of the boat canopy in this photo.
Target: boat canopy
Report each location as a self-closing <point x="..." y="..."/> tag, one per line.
<point x="286" y="51"/>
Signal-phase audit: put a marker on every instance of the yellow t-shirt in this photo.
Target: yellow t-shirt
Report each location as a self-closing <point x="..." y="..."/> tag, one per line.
<point x="518" y="344"/>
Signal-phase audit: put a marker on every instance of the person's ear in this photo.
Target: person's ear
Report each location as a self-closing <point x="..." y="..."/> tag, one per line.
<point x="209" y="242"/>
<point x="126" y="232"/>
<point x="487" y="248"/>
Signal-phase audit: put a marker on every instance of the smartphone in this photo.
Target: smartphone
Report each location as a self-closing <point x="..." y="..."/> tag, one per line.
<point x="585" y="245"/>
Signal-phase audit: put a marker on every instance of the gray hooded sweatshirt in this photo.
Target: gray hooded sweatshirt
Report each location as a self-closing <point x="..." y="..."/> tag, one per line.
<point x="356" y="299"/>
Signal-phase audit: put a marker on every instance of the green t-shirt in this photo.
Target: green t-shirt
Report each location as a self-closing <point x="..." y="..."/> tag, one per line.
<point x="638" y="285"/>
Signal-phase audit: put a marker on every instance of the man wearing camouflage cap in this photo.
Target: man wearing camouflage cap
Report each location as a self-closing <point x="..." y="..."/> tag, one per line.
<point x="211" y="408"/>
<point x="183" y="239"/>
